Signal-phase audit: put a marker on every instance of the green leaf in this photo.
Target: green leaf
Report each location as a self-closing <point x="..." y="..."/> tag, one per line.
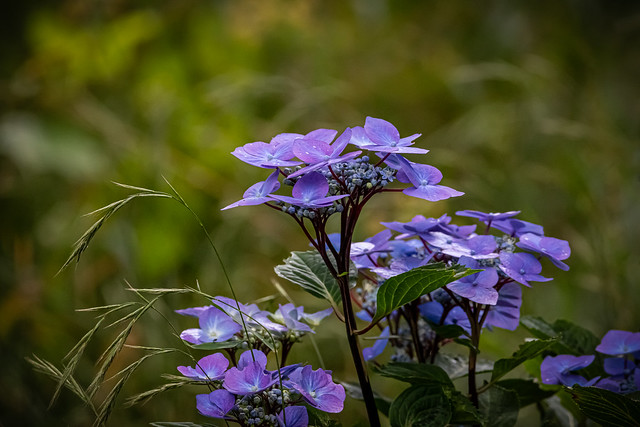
<point x="317" y="418"/>
<point x="500" y="406"/>
<point x="572" y="339"/>
<point x="448" y="331"/>
<point x="606" y="407"/>
<point x="526" y="351"/>
<point x="463" y="411"/>
<point x="309" y="271"/>
<point x="421" y="405"/>
<point x="406" y="287"/>
<point x="415" y="373"/>
<point x="528" y="391"/>
<point x="215" y="345"/>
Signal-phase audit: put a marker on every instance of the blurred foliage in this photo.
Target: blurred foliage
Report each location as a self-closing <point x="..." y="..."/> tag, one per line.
<point x="524" y="105"/>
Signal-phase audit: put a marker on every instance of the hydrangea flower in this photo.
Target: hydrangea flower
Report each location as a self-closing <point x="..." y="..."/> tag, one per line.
<point x="554" y="249"/>
<point x="251" y="379"/>
<point x="212" y="367"/>
<point x="215" y="326"/>
<point x="310" y="192"/>
<point x="320" y="154"/>
<point x="381" y="136"/>
<point x="278" y="153"/>
<point x="318" y="389"/>
<point x="517" y="227"/>
<point x="487" y="217"/>
<point x="477" y="247"/>
<point x="560" y="370"/>
<point x="506" y="313"/>
<point x="216" y="404"/>
<point x="425" y="181"/>
<point x="522" y="267"/>
<point x="258" y="193"/>
<point x="478" y="287"/>
<point x="617" y="342"/>
<point x="251" y="356"/>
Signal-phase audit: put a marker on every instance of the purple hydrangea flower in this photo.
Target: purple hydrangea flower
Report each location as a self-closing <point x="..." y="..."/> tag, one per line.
<point x="251" y="379"/>
<point x="215" y="404"/>
<point x="251" y="356"/>
<point x="376" y="350"/>
<point x="212" y="367"/>
<point x="314" y="319"/>
<point x="425" y="181"/>
<point x="477" y="247"/>
<point x="617" y="342"/>
<point x="559" y="370"/>
<point x="477" y="287"/>
<point x="319" y="154"/>
<point x="296" y="416"/>
<point x="251" y="314"/>
<point x="522" y="267"/>
<point x="506" y="313"/>
<point x="310" y="192"/>
<point x="517" y="227"/>
<point x="381" y="136"/>
<point x="618" y="366"/>
<point x="278" y="153"/>
<point x="365" y="254"/>
<point x="487" y="217"/>
<point x="554" y="249"/>
<point x="215" y="326"/>
<point x="193" y="311"/>
<point x="318" y="389"/>
<point x="400" y="265"/>
<point x="291" y="317"/>
<point x="258" y="193"/>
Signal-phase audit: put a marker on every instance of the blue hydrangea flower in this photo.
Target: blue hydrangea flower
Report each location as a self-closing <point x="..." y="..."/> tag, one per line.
<point x="212" y="367"/>
<point x="278" y="153"/>
<point x="251" y="379"/>
<point x="478" y="287"/>
<point x="258" y="193"/>
<point x="215" y="326"/>
<point x="560" y="370"/>
<point x="522" y="267"/>
<point x="320" y="154"/>
<point x="425" y="179"/>
<point x="506" y="313"/>
<point x="477" y="247"/>
<point x="617" y="342"/>
<point x="487" y="217"/>
<point x="216" y="404"/>
<point x="318" y="389"/>
<point x="296" y="416"/>
<point x="381" y="136"/>
<point x="376" y="350"/>
<point x="554" y="249"/>
<point x="310" y="192"/>
<point x="517" y="227"/>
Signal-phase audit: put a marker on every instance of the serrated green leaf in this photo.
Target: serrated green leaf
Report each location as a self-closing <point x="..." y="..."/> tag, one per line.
<point x="463" y="411"/>
<point x="528" y="391"/>
<point x="500" y="406"/>
<point x="415" y="373"/>
<point x="572" y="339"/>
<point x="606" y="407"/>
<point x="309" y="271"/>
<point x="406" y="287"/>
<point x="421" y="405"/>
<point x="525" y="352"/>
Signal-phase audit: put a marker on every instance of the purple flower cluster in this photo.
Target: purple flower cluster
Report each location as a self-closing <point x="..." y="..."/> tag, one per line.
<point x="324" y="178"/>
<point x="492" y="296"/>
<point x="623" y="367"/>
<point x="286" y="325"/>
<point x="252" y="395"/>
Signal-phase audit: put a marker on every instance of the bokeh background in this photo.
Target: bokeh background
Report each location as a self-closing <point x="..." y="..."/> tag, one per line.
<point x="531" y="106"/>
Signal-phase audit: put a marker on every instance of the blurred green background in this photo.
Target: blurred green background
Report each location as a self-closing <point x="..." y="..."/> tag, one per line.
<point x="524" y="105"/>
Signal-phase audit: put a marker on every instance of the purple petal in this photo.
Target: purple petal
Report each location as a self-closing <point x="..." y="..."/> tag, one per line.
<point x="312" y="151"/>
<point x="616" y="342"/>
<point x="296" y="416"/>
<point x="381" y="132"/>
<point x="325" y="135"/>
<point x="312" y="186"/>
<point x="210" y="367"/>
<point x="215" y="404"/>
<point x="251" y="356"/>
<point x="377" y="348"/>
